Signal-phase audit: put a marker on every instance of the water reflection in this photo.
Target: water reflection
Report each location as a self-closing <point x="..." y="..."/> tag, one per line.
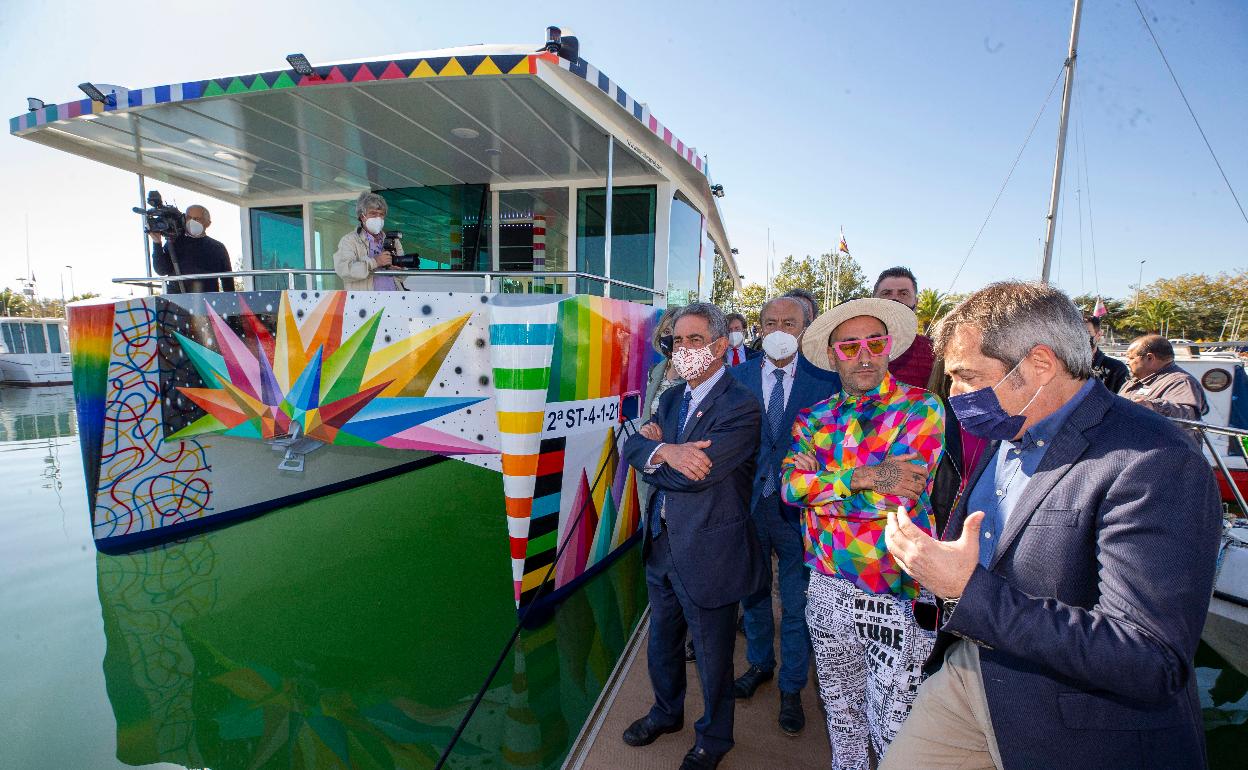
<point x="350" y="632"/>
<point x="37" y="413"/>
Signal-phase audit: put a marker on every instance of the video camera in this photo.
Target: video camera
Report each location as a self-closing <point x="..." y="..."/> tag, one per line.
<point x="400" y="261"/>
<point x="162" y="219"/>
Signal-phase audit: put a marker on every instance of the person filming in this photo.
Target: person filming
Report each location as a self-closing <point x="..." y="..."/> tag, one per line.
<point x="193" y="253"/>
<point x="363" y="251"/>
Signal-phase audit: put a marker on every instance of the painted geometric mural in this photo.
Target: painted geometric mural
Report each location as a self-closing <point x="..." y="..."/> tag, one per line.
<point x="307" y="380"/>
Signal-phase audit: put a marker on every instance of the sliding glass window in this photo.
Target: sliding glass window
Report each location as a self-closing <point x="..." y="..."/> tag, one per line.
<point x="632" y="239"/>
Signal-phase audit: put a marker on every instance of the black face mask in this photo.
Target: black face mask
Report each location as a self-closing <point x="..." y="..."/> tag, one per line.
<point x="665" y="345"/>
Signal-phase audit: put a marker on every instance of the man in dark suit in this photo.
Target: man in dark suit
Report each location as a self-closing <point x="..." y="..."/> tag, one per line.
<point x="781" y="390"/>
<point x="738" y="352"/>
<point x="1076" y="589"/>
<point x="701" y="552"/>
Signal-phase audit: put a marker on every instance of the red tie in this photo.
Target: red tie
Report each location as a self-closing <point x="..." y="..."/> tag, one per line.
<point x="736" y="356"/>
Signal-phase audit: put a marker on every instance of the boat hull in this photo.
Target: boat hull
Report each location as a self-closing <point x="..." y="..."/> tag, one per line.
<point x="201" y="410"/>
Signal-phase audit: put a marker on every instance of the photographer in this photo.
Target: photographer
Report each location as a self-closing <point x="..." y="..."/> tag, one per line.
<point x="363" y="251"/>
<point x="193" y="253"/>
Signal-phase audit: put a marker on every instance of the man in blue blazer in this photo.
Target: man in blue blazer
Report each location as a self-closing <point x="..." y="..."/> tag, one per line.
<point x="1076" y="587"/>
<point x="782" y="389"/>
<point x="701" y="552"/>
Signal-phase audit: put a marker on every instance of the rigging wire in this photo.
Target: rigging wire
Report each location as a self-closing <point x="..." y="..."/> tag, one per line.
<point x="515" y="635"/>
<point x="1087" y="181"/>
<point x="1079" y="200"/>
<point x="1190" y="111"/>
<point x="1001" y="191"/>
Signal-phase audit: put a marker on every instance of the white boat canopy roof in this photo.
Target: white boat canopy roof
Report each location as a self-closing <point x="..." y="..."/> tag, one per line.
<point x="470" y="115"/>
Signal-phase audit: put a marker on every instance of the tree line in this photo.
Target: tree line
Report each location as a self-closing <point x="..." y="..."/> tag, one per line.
<point x="1190" y="306"/>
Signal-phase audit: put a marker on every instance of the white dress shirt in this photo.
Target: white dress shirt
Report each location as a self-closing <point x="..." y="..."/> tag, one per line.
<point x="769" y="379"/>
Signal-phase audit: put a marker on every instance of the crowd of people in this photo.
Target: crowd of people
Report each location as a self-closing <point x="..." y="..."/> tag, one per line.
<point x="992" y="545"/>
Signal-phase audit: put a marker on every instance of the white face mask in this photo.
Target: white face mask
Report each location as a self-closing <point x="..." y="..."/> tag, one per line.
<point x="374" y="224"/>
<point x="692" y="363"/>
<point x="779" y="345"/>
<point x="736" y="338"/>
<point x="193" y="228"/>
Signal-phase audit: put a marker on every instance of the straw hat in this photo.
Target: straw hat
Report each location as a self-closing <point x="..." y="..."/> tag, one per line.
<point x="898" y="319"/>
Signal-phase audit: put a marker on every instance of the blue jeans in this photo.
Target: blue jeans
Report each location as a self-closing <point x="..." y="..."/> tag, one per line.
<point x="779" y="530"/>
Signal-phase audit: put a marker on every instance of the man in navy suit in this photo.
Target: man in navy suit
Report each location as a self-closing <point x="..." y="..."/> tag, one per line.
<point x="1076" y="589"/>
<point x="738" y="352"/>
<point x="701" y="552"/>
<point x="781" y="390"/>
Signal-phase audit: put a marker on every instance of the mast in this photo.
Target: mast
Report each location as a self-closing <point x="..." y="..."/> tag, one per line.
<point x="1051" y="219"/>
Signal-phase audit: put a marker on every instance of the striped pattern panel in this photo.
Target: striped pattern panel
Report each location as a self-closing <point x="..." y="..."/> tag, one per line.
<point x="90" y="347"/>
<point x="431" y="67"/>
<point x="603" y="349"/>
<point x="595" y="77"/>
<point x="521" y="342"/>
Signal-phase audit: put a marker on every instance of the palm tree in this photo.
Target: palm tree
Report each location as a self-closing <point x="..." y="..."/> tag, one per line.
<point x="1152" y="315"/>
<point x="929" y="306"/>
<point x="13" y="303"/>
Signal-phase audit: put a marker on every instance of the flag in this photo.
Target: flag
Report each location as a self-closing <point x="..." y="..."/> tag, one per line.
<point x="844" y="247"/>
<point x="1100" y="309"/>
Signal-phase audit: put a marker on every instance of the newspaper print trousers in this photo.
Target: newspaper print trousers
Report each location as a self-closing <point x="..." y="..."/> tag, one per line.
<point x="868" y="654"/>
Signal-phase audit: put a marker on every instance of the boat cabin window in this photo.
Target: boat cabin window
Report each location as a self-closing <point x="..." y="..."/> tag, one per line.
<point x="14" y="339"/>
<point x="54" y="338"/>
<point x="35" y="342"/>
<point x="277" y="244"/>
<point x="533" y="236"/>
<point x="632" y="239"/>
<point x="446" y="227"/>
<point x="684" y="253"/>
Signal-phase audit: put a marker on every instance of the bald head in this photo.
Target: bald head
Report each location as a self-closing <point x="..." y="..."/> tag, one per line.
<point x="1149" y="354"/>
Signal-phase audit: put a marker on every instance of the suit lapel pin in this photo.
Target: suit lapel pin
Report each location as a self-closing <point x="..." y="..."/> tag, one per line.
<point x="698" y="416"/>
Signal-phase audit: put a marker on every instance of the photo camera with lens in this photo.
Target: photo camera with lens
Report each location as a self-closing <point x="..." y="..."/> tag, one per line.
<point x="400" y="261"/>
<point x="162" y="219"/>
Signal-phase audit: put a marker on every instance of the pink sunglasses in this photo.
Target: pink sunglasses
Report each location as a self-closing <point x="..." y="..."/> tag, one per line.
<point x="848" y="350"/>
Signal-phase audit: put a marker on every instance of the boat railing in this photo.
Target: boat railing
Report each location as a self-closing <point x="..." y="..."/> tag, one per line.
<point x="1205" y="429"/>
<point x="487" y="277"/>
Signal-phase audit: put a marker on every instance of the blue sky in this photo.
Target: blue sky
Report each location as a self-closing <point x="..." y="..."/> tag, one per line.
<point x="896" y="120"/>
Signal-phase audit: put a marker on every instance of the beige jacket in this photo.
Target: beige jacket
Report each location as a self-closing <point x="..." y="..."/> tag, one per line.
<point x="352" y="263"/>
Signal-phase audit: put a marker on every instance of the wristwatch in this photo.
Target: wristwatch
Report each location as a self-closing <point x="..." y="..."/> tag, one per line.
<point x="947" y="606"/>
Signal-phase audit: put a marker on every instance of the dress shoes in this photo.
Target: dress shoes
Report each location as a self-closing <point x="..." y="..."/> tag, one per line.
<point x="646" y="731"/>
<point x="747" y="683"/>
<point x="792" y="717"/>
<point x="699" y="758"/>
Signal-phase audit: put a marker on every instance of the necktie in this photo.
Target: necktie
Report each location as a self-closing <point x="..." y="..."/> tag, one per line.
<point x="736" y="356"/>
<point x="775" y="420"/>
<point x="657" y="511"/>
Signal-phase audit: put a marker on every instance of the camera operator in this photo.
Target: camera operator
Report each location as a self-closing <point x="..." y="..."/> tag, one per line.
<point x="363" y="251"/>
<point x="193" y="253"/>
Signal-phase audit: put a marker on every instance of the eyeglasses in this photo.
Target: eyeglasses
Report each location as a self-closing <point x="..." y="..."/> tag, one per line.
<point x="848" y="350"/>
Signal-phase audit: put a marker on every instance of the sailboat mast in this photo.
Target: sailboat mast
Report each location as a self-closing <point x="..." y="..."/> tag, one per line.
<point x="1051" y="219"/>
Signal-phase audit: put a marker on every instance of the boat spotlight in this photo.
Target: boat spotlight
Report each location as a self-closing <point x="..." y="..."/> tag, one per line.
<point x="717" y="190"/>
<point x="96" y="95"/>
<point x="33" y="104"/>
<point x="300" y="64"/>
<point x="563" y="46"/>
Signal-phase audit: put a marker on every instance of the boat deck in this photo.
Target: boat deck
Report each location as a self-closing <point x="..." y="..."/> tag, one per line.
<point x="759" y="740"/>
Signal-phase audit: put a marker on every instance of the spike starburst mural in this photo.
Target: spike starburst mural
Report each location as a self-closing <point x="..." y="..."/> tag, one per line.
<point x="306" y="380"/>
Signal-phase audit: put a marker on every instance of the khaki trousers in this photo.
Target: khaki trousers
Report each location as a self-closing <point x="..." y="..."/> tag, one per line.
<point x="948" y="727"/>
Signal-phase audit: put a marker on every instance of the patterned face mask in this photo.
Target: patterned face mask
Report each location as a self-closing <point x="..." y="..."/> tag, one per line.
<point x="692" y="363"/>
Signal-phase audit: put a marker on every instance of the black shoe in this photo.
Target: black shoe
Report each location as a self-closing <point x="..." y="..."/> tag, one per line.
<point x="792" y="717"/>
<point x="748" y="682"/>
<point x="699" y="758"/>
<point x="646" y="731"/>
<point x="690" y="654"/>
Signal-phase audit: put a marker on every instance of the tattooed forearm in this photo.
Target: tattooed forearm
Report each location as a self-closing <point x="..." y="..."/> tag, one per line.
<point x="886" y="477"/>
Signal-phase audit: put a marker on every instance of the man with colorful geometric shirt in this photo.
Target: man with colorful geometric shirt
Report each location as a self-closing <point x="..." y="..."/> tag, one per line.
<point x="863" y="452"/>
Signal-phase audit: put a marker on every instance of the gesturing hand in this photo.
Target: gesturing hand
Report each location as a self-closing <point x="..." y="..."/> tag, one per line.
<point x="896" y="476"/>
<point x="944" y="568"/>
<point x="652" y="431"/>
<point x="687" y="458"/>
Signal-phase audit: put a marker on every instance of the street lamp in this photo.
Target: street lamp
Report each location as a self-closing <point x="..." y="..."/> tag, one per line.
<point x="1138" y="282"/>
